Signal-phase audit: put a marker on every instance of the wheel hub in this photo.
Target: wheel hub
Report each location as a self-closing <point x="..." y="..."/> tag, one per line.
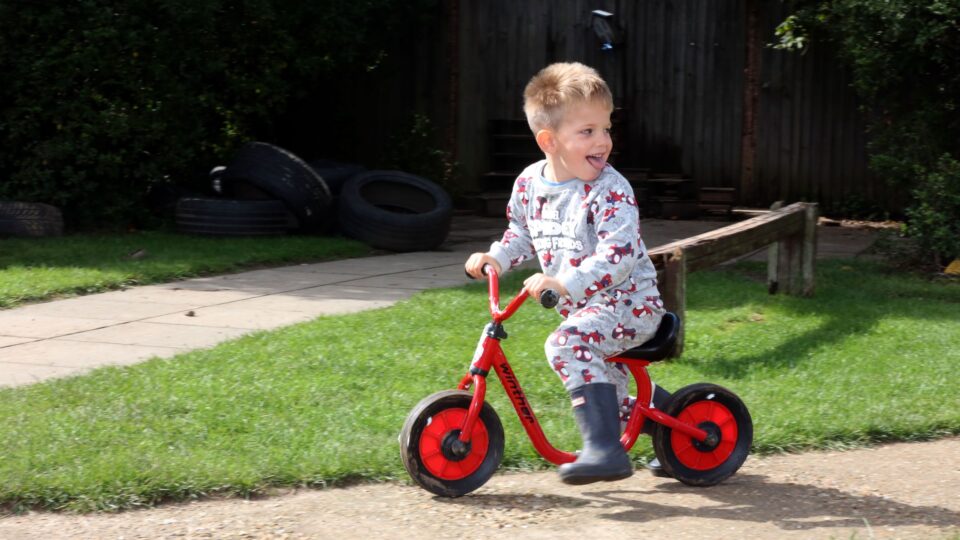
<point x="714" y="436"/>
<point x="453" y="448"/>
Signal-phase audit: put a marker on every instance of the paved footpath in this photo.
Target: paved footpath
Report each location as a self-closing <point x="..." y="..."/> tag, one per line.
<point x="69" y="337"/>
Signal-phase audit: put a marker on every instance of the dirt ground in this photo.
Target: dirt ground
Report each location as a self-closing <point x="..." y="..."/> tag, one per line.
<point x="895" y="491"/>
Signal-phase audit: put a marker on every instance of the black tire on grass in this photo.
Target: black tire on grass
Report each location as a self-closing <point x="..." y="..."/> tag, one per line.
<point x="30" y="219"/>
<point x="335" y="173"/>
<point x="228" y="217"/>
<point x="286" y="177"/>
<point x="395" y="210"/>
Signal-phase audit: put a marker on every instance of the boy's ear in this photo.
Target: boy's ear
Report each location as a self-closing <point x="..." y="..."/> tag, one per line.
<point x="546" y="141"/>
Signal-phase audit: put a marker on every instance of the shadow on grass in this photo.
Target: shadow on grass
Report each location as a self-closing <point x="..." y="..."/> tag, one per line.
<point x="851" y="298"/>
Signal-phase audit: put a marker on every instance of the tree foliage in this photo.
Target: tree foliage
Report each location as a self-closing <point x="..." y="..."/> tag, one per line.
<point x="905" y="60"/>
<point x="103" y="99"/>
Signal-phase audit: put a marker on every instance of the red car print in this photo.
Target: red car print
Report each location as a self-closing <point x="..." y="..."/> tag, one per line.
<point x="586" y="190"/>
<point x="564" y="313"/>
<point x="615" y="253"/>
<point x="610" y="213"/>
<point x="641" y="311"/>
<point x="603" y="235"/>
<point x="594" y="337"/>
<point x="592" y="310"/>
<point x="548" y="259"/>
<point x="562" y="336"/>
<point x="582" y="353"/>
<point x="587" y="376"/>
<point x="538" y="213"/>
<point x="576" y="262"/>
<point x="620" y="196"/>
<point x="561" y="367"/>
<point x="621" y="332"/>
<point x="522" y="185"/>
<point x="507" y="237"/>
<point x="655" y="300"/>
<point x="605" y="281"/>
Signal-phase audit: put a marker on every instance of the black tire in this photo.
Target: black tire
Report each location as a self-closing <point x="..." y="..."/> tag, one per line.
<point x="335" y="174"/>
<point x="30" y="219"/>
<point x="427" y="426"/>
<point x="714" y="409"/>
<point x="395" y="210"/>
<point x="286" y="177"/>
<point x="227" y="217"/>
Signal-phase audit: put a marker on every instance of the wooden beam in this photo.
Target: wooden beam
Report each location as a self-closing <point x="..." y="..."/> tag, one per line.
<point x="673" y="291"/>
<point x="714" y="247"/>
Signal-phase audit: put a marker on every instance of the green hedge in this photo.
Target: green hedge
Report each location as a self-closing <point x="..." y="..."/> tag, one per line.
<point x="904" y="58"/>
<point x="102" y="99"/>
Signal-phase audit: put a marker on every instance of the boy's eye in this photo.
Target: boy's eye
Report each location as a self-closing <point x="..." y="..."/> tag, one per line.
<point x="587" y="131"/>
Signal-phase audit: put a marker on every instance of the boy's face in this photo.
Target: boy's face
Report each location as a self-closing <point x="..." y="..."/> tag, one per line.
<point x="581" y="144"/>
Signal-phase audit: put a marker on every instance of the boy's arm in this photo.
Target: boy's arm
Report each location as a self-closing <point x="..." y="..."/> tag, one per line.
<point x="516" y="246"/>
<point x="618" y="231"/>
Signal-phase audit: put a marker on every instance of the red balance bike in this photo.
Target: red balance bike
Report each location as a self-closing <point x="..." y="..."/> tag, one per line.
<point x="452" y="441"/>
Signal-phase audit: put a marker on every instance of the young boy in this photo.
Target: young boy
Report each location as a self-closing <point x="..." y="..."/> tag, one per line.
<point x="578" y="216"/>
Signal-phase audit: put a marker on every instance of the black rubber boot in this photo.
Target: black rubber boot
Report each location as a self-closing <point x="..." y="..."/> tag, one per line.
<point x="603" y="458"/>
<point x="660" y="397"/>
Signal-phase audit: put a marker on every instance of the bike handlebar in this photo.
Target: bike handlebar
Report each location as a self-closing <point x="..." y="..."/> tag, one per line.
<point x="548" y="298"/>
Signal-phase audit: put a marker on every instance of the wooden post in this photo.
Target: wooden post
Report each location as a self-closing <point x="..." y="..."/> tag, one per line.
<point x="674" y="292"/>
<point x="773" y="258"/>
<point x="809" y="250"/>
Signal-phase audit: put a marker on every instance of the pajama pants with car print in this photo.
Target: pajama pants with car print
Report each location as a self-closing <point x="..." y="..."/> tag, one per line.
<point x="605" y="327"/>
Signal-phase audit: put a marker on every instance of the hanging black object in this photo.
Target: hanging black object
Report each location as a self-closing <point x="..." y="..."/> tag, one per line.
<point x="606" y="29"/>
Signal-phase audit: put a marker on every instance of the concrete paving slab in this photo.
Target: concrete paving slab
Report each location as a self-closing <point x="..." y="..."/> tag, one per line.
<point x="453" y="273"/>
<point x="6" y="341"/>
<point x="152" y="334"/>
<point x="268" y="281"/>
<point x="842" y="242"/>
<point x="92" y="307"/>
<point x="172" y="294"/>
<point x="234" y="316"/>
<point x="351" y="291"/>
<point x="15" y="323"/>
<point x="404" y="281"/>
<point x="373" y="266"/>
<point x="22" y="374"/>
<point x="76" y="354"/>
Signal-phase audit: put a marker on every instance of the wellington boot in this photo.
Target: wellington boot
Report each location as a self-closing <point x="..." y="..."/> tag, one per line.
<point x="603" y="458"/>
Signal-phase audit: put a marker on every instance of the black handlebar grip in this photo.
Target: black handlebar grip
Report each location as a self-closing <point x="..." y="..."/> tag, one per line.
<point x="549" y="298"/>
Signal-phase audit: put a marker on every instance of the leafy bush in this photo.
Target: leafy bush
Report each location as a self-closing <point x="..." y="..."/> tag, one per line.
<point x="934" y="218"/>
<point x="903" y="55"/>
<point x="101" y="99"/>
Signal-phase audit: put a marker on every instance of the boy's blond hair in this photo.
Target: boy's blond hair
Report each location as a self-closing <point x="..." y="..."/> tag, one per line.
<point x="556" y="87"/>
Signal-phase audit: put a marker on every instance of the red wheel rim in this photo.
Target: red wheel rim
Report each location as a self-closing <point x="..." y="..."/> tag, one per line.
<point x="431" y="445"/>
<point x="685" y="447"/>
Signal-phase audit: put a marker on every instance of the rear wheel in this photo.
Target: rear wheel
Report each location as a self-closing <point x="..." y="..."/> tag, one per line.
<point x="431" y="450"/>
<point x="726" y="420"/>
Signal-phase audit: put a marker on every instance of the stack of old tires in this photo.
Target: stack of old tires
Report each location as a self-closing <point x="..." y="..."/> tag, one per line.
<point x="29" y="219"/>
<point x="266" y="190"/>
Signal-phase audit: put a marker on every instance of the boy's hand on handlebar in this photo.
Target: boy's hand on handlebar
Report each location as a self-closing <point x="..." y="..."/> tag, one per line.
<point x="538" y="283"/>
<point x="477" y="261"/>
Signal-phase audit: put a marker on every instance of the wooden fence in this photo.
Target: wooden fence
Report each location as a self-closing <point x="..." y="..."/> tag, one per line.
<point x="679" y="78"/>
<point x="791" y="233"/>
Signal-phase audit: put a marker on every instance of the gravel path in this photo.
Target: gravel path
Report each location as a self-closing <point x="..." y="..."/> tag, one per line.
<point x="896" y="491"/>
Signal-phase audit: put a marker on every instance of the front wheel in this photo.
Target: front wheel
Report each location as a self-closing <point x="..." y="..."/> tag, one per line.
<point x="722" y="415"/>
<point x="430" y="448"/>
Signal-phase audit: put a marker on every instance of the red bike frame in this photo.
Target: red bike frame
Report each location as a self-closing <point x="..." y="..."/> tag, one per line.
<point x="490" y="354"/>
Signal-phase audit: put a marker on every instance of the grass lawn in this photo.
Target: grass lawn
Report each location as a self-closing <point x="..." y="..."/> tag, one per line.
<point x="43" y="268"/>
<point x="873" y="357"/>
